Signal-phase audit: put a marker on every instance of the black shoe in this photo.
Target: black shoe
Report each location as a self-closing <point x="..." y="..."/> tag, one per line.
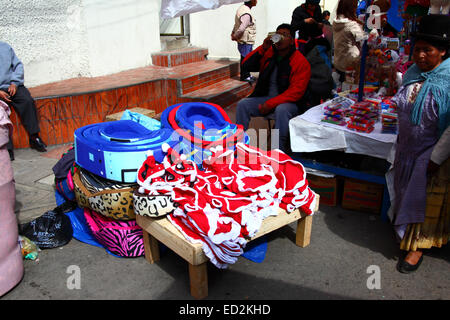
<point x="11" y="154"/>
<point x="37" y="144"/>
<point x="405" y="267"/>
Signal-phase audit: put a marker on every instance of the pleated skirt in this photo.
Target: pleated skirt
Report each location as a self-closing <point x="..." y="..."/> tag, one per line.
<point x="435" y="230"/>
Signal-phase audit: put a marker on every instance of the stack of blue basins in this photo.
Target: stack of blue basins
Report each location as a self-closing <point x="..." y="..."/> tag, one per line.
<point x="116" y="150"/>
<point x="199" y="126"/>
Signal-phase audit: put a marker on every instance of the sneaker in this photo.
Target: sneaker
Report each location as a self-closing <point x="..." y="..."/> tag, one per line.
<point x="250" y="79"/>
<point x="37" y="144"/>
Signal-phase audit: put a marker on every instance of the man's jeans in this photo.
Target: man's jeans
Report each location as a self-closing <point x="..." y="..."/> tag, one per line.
<point x="247" y="108"/>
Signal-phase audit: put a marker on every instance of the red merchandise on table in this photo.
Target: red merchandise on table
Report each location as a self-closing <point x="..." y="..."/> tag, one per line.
<point x="223" y="205"/>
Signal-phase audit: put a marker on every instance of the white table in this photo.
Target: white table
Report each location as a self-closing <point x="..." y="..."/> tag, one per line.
<point x="309" y="134"/>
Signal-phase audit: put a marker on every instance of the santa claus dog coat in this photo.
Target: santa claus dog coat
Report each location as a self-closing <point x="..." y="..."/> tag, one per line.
<point x="223" y="205"/>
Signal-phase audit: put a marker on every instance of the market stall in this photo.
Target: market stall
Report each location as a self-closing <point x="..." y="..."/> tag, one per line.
<point x="310" y="133"/>
<point x="362" y="121"/>
<point x="190" y="181"/>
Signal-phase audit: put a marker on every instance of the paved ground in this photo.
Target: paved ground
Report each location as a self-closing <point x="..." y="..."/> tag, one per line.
<point x="348" y="250"/>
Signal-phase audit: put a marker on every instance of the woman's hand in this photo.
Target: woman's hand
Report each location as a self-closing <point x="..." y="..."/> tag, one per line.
<point x="5" y="96"/>
<point x="12" y="89"/>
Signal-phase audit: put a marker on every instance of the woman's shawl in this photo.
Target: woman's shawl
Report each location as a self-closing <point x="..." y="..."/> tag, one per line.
<point x="436" y="81"/>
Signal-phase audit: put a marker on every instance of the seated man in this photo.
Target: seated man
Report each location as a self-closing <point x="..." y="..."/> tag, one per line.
<point x="284" y="74"/>
<point x="13" y="92"/>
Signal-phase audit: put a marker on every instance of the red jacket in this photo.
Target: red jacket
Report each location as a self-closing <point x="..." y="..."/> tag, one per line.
<point x="294" y="72"/>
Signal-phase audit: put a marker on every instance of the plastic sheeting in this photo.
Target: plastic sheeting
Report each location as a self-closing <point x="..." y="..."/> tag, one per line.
<point x="394" y="15"/>
<point x="149" y="123"/>
<point x="177" y="8"/>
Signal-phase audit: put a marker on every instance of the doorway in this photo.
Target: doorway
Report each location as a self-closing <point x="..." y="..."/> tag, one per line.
<point x="174" y="33"/>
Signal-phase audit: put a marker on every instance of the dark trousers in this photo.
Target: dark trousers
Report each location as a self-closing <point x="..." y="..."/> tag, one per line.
<point x="244" y="73"/>
<point x="23" y="104"/>
<point x="244" y="49"/>
<point x="341" y="75"/>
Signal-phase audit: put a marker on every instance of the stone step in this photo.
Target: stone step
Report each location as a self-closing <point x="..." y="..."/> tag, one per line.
<point x="174" y="42"/>
<point x="195" y="76"/>
<point x="66" y="105"/>
<point x="224" y="93"/>
<point x="177" y="57"/>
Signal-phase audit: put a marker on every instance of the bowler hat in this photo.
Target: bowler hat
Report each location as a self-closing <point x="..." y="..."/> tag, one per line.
<point x="434" y="27"/>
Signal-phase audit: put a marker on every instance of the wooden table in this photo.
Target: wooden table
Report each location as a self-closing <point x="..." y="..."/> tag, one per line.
<point x="161" y="229"/>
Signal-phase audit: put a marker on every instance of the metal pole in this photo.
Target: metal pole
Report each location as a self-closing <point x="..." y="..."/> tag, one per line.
<point x="362" y="70"/>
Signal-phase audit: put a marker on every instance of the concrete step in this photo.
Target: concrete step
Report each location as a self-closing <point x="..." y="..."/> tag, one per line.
<point x="66" y="105"/>
<point x="174" y="42"/>
<point x="224" y="93"/>
<point x="177" y="57"/>
<point x="195" y="76"/>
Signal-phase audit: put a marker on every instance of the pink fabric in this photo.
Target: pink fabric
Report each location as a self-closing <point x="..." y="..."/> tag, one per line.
<point x="123" y="238"/>
<point x="70" y="181"/>
<point x="6" y="126"/>
<point x="11" y="261"/>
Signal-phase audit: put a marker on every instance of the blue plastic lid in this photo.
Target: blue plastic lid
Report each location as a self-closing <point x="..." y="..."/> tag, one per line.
<point x="124" y="130"/>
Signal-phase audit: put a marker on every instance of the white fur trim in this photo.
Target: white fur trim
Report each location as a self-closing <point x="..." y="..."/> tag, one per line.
<point x="165" y="147"/>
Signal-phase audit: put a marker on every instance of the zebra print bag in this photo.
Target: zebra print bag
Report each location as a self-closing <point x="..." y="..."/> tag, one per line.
<point x="123" y="238"/>
<point x="109" y="198"/>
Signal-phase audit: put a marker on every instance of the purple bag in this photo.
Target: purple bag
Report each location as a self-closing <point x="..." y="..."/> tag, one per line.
<point x="123" y="238"/>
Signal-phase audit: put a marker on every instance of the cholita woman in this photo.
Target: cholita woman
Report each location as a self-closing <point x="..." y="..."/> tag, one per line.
<point x="422" y="167"/>
<point x="11" y="261"/>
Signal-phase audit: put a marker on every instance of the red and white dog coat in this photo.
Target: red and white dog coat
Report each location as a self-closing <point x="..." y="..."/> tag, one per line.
<point x="225" y="204"/>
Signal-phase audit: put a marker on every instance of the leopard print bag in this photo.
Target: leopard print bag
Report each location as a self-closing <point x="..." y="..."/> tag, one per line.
<point x="152" y="205"/>
<point x="111" y="199"/>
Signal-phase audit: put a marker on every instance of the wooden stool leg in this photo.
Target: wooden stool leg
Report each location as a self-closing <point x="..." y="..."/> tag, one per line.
<point x="303" y="235"/>
<point x="198" y="277"/>
<point x="151" y="247"/>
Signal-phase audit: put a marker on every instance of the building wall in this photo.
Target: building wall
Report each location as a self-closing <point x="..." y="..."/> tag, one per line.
<point x="212" y="28"/>
<point x="63" y="39"/>
<point x="44" y="36"/>
<point x="120" y="34"/>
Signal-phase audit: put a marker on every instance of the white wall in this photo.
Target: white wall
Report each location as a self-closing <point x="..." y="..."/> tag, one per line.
<point x="212" y="29"/>
<point x="63" y="39"/>
<point x="40" y="31"/>
<point x="121" y="34"/>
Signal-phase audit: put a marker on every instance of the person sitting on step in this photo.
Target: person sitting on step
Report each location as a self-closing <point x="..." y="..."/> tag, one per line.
<point x="13" y="92"/>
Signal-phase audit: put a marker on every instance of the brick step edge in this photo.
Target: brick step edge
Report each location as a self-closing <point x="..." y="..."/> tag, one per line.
<point x="207" y="78"/>
<point x="223" y="93"/>
<point x="179" y="57"/>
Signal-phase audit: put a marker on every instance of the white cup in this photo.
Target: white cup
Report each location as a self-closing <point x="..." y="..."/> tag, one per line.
<point x="276" y="38"/>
